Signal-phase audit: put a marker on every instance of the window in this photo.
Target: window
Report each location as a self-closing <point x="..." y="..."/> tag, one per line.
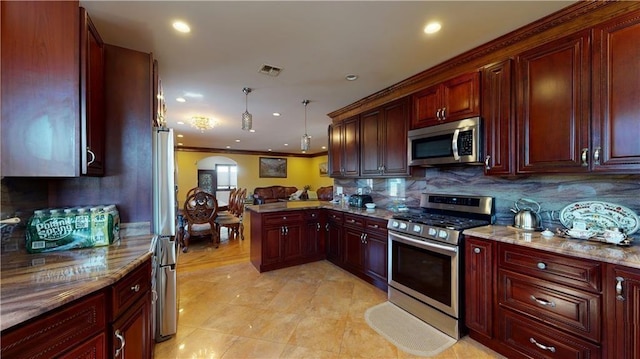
<point x="227" y="177"/>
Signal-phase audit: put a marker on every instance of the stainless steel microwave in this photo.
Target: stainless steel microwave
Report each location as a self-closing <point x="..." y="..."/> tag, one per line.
<point x="457" y="142"/>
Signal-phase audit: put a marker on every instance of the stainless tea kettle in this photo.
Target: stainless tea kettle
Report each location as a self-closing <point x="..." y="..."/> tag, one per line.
<point x="527" y="217"/>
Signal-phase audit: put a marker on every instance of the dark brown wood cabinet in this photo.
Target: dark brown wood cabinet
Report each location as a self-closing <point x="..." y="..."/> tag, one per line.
<point x="498" y="118"/>
<point x="553" y="82"/>
<point x="51" y="76"/>
<point x="452" y="100"/>
<point x="314" y="239"/>
<point x="334" y="236"/>
<point x="283" y="239"/>
<point x="365" y="248"/>
<point x="622" y="319"/>
<point x="111" y="323"/>
<point x="344" y="148"/>
<point x="479" y="277"/>
<point x="616" y="90"/>
<point x="92" y="120"/>
<point x="383" y="140"/>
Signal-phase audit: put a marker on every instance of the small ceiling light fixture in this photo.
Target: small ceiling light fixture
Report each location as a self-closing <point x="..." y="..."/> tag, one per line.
<point x="181" y="99"/>
<point x="202" y="123"/>
<point x="247" y="118"/>
<point x="351" y="77"/>
<point x="276" y="114"/>
<point x="432" y="27"/>
<point x="305" y="142"/>
<point x="181" y="26"/>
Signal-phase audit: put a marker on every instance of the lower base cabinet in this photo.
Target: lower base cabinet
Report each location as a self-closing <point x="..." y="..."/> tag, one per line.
<point x="112" y="323"/>
<point x="530" y="303"/>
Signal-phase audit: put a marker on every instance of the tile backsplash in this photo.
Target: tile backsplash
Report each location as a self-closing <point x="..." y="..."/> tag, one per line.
<point x="552" y="192"/>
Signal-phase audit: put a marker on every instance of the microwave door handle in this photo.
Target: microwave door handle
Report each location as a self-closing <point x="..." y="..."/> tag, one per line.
<point x="454" y="145"/>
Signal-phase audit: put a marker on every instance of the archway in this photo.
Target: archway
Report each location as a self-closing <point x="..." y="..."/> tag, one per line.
<point x="218" y="175"/>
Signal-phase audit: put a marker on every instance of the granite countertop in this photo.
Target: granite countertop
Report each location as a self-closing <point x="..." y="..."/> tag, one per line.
<point x="302" y="205"/>
<point x="604" y="252"/>
<point x="33" y="284"/>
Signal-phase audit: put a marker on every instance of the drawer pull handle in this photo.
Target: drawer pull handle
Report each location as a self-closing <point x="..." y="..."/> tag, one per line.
<point x="543" y="302"/>
<point x="619" y="295"/>
<point x="542" y="265"/>
<point x="543" y="347"/>
<point x="120" y="337"/>
<point x="476" y="250"/>
<point x="136" y="288"/>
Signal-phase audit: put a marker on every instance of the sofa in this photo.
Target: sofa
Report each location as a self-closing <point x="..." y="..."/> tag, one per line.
<point x="262" y="195"/>
<point x="325" y="193"/>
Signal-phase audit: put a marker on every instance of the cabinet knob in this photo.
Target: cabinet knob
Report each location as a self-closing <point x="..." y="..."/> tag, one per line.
<point x="542" y="265"/>
<point x="476" y="250"/>
<point x="136" y="288"/>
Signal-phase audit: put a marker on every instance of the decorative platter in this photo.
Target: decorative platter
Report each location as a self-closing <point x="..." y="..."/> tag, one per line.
<point x="600" y="216"/>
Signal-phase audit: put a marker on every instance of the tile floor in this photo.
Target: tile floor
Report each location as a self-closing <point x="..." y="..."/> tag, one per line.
<point x="316" y="310"/>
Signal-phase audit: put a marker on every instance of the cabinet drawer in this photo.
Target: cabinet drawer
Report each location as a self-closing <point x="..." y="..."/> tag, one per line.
<point x="569" y="309"/>
<point x="335" y="217"/>
<point x="354" y="220"/>
<point x="283" y="218"/>
<point x="535" y="340"/>
<point x="50" y="335"/>
<point x="579" y="273"/>
<point x="312" y="215"/>
<point x="377" y="226"/>
<point x="133" y="286"/>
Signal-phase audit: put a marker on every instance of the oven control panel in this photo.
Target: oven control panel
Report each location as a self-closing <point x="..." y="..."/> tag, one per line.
<point x="423" y="231"/>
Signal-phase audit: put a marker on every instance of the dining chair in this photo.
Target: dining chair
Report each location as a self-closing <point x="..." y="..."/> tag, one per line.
<point x="200" y="211"/>
<point x="233" y="219"/>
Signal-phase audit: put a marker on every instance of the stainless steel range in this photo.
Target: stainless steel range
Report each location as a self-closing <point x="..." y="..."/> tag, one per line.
<point x="426" y="258"/>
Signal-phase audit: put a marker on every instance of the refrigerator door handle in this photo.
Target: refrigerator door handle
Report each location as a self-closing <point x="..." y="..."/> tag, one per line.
<point x="167" y="323"/>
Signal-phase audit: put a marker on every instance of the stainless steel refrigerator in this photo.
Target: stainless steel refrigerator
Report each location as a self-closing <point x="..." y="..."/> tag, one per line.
<point x="164" y="246"/>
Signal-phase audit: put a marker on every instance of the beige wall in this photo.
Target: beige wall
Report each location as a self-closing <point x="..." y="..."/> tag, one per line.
<point x="300" y="171"/>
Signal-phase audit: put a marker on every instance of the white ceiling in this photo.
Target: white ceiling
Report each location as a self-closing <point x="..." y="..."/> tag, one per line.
<point x="316" y="43"/>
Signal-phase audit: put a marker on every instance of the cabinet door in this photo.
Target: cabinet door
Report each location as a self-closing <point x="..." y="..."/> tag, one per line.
<point x="334" y="240"/>
<point x="131" y="332"/>
<point x="311" y="240"/>
<point x="553" y="106"/>
<point x="351" y="145"/>
<point x="371" y="129"/>
<point x="292" y="242"/>
<point x="353" y="249"/>
<point x="94" y="348"/>
<point x="335" y="149"/>
<point x="616" y="91"/>
<point x="499" y="126"/>
<point x="91" y="97"/>
<point x="426" y="106"/>
<point x="376" y="257"/>
<point x="393" y="139"/>
<point x="40" y="88"/>
<point x="461" y="97"/>
<point x="479" y="286"/>
<point x="272" y="244"/>
<point x="622" y="315"/>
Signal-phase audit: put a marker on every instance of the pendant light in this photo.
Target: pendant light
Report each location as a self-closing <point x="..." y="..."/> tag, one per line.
<point x="305" y="142"/>
<point x="247" y="118"/>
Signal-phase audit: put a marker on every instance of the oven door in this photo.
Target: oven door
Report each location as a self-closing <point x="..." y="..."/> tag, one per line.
<point x="425" y="270"/>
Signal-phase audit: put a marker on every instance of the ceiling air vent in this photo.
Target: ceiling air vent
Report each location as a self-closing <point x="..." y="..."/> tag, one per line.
<point x="270" y="70"/>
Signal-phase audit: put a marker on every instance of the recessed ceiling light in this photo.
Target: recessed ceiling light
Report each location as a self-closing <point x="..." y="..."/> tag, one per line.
<point x="181" y="26"/>
<point x="180" y="122"/>
<point x="351" y="77"/>
<point x="324" y="147"/>
<point x="237" y="140"/>
<point x="181" y="99"/>
<point x="432" y="27"/>
<point x="228" y="146"/>
<point x="304" y="151"/>
<point x="276" y="114"/>
<point x="286" y="144"/>
<point x="269" y="150"/>
<point x="180" y="136"/>
<point x="179" y="143"/>
<point x="252" y="130"/>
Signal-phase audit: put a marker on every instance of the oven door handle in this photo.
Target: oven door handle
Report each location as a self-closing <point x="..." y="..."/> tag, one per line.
<point x="454" y="145"/>
<point x="432" y="246"/>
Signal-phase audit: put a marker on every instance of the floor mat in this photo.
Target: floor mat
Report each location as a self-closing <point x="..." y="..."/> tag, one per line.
<point x="407" y="332"/>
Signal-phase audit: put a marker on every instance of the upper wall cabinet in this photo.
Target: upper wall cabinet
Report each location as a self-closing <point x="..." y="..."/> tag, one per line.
<point x="383" y="140"/>
<point x="42" y="105"/>
<point x="553" y="106"/>
<point x="616" y="96"/>
<point x="497" y="113"/>
<point x="344" y="148"/>
<point x="92" y="119"/>
<point x="452" y="100"/>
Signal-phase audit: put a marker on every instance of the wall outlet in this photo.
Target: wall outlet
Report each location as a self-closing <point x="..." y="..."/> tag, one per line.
<point x="339" y="190"/>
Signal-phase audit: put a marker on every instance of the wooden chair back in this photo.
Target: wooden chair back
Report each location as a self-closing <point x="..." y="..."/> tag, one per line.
<point x="200" y="207"/>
